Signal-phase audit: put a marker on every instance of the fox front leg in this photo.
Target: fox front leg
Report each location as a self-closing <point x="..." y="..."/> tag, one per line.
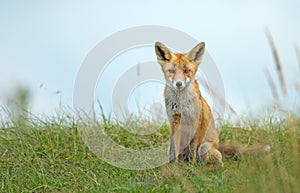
<point x="171" y="149"/>
<point x="177" y="138"/>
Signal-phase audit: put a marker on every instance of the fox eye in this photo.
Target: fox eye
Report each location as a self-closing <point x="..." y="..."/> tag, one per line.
<point x="172" y="71"/>
<point x="187" y="71"/>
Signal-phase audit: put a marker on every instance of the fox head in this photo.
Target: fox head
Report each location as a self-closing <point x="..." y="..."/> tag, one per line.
<point x="179" y="68"/>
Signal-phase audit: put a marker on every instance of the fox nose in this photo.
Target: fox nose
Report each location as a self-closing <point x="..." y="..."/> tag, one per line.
<point x="179" y="84"/>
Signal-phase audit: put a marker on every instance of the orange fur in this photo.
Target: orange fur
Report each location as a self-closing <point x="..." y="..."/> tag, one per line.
<point x="190" y="117"/>
<point x="192" y="131"/>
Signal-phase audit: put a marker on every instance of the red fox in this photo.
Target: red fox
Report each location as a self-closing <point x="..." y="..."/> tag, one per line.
<point x="193" y="133"/>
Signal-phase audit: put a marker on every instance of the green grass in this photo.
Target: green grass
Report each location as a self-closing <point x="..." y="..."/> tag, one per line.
<point x="50" y="156"/>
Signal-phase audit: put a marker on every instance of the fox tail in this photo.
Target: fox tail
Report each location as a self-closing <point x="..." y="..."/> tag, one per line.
<point x="235" y="152"/>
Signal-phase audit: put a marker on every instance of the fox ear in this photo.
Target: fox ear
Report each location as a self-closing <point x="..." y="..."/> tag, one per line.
<point x="196" y="54"/>
<point x="163" y="54"/>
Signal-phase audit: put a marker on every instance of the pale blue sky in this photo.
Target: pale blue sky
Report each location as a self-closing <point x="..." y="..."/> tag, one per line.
<point x="45" y="42"/>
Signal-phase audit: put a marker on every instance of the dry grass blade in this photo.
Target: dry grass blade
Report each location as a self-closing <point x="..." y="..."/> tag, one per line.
<point x="278" y="63"/>
<point x="271" y="84"/>
<point x="297" y="85"/>
<point x="216" y="95"/>
<point x="298" y="54"/>
<point x="138" y="69"/>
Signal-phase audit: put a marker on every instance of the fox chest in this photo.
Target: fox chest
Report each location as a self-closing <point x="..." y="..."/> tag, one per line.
<point x="188" y="106"/>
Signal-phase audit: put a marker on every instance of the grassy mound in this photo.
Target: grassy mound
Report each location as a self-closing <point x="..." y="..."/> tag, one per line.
<point x="50" y="156"/>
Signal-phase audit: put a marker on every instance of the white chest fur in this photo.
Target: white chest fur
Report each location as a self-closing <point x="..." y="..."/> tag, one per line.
<point x="185" y="102"/>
